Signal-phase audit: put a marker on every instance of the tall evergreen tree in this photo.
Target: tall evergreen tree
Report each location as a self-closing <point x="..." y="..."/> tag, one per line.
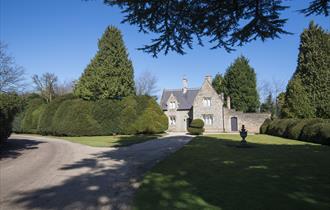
<point x="218" y="83"/>
<point x="241" y="85"/>
<point x="110" y="73"/>
<point x="297" y="103"/>
<point x="313" y="70"/>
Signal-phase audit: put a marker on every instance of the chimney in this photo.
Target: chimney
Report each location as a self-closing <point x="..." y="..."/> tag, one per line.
<point x="185" y="85"/>
<point x="228" y="102"/>
<point x="208" y="78"/>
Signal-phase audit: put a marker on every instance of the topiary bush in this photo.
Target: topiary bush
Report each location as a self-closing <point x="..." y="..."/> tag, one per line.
<point x="10" y="104"/>
<point x="74" y="118"/>
<point x="45" y="126"/>
<point x="264" y="126"/>
<point x="294" y="132"/>
<point x="152" y="120"/>
<point x="32" y="114"/>
<point x="196" y="127"/>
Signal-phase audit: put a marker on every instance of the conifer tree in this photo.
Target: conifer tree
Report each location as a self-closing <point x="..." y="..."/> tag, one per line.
<point x="297" y="103"/>
<point x="110" y="73"/>
<point x="313" y="70"/>
<point x="241" y="85"/>
<point x="268" y="105"/>
<point x="218" y="83"/>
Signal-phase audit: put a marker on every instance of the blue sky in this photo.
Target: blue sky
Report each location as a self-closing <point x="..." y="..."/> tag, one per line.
<point x="60" y="36"/>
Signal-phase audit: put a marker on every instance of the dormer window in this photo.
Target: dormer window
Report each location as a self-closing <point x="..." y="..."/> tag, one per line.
<point x="207" y="101"/>
<point x="172" y="105"/>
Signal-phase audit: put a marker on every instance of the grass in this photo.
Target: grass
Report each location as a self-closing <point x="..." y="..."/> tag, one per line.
<point x="111" y="141"/>
<point x="211" y="172"/>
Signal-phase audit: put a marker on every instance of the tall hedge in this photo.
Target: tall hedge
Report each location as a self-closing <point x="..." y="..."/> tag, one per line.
<point x="74" y="118"/>
<point x="311" y="130"/>
<point x="67" y="116"/>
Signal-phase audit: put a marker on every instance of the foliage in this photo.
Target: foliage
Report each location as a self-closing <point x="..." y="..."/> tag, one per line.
<point x="68" y="116"/>
<point x="241" y="85"/>
<point x="210" y="172"/>
<point x="264" y="126"/>
<point x="74" y="118"/>
<point x="218" y="83"/>
<point x="226" y="23"/>
<point x="196" y="127"/>
<point x="312" y="99"/>
<point x="10" y="104"/>
<point x="311" y="130"/>
<point x="46" y="119"/>
<point x="110" y="73"/>
<point x="297" y="103"/>
<point x="32" y="115"/>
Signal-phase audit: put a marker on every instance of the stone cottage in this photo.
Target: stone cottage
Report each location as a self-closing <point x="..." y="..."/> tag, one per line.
<point x="183" y="105"/>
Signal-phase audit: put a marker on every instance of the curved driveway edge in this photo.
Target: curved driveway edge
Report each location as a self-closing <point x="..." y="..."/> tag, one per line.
<point x="46" y="173"/>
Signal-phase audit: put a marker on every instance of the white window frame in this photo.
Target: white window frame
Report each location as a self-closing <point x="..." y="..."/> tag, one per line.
<point x="172" y="120"/>
<point x="207" y="101"/>
<point x="172" y="105"/>
<point x="208" y="119"/>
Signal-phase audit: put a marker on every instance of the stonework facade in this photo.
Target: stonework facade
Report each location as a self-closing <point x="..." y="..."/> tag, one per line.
<point x="183" y="105"/>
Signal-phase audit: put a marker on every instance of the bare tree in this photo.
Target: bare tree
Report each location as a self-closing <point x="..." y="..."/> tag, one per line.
<point x="146" y="84"/>
<point x="46" y="85"/>
<point x="11" y="75"/>
<point x="64" y="88"/>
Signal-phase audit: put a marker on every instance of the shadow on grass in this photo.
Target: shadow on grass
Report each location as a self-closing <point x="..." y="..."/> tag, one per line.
<point x="211" y="173"/>
<point x="13" y="148"/>
<point x="108" y="180"/>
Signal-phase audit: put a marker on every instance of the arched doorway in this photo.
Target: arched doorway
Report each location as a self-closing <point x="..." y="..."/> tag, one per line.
<point x="234" y="126"/>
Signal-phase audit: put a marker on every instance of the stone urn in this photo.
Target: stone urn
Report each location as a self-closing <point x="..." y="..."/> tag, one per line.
<point x="243" y="133"/>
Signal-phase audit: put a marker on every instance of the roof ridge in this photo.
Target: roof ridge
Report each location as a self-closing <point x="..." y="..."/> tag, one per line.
<point x="180" y="89"/>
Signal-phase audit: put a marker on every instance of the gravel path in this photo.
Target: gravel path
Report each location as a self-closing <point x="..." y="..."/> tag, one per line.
<point x="46" y="173"/>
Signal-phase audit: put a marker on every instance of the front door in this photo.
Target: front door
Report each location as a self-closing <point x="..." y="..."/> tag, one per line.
<point x="234" y="126"/>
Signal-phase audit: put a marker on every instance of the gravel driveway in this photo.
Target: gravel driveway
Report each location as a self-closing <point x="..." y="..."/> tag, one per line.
<point x="46" y="173"/>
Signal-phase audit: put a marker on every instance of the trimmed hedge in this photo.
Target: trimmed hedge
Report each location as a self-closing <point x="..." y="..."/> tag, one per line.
<point x="311" y="130"/>
<point x="264" y="126"/>
<point x="10" y="104"/>
<point x="196" y="127"/>
<point x="67" y="116"/>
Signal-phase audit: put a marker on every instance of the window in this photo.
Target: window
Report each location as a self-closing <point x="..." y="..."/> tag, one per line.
<point x="172" y="120"/>
<point x="207" y="101"/>
<point x="172" y="105"/>
<point x="208" y="119"/>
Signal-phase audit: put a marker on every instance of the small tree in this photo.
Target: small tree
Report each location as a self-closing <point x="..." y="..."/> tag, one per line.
<point x="218" y="83"/>
<point x="110" y="73"/>
<point x="241" y="85"/>
<point x="46" y="85"/>
<point x="268" y="105"/>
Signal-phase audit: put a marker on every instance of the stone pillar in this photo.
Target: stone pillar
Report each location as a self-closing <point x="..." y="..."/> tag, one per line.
<point x="228" y="102"/>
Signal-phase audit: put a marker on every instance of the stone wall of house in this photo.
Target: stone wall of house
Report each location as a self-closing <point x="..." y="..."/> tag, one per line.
<point x="215" y="109"/>
<point x="181" y="120"/>
<point x="252" y="121"/>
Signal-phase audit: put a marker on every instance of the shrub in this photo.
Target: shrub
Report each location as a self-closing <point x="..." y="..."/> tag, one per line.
<point x="196" y="127"/>
<point x="32" y="114"/>
<point x="45" y="126"/>
<point x="294" y="131"/>
<point x="152" y="119"/>
<point x="324" y="133"/>
<point x="264" y="126"/>
<point x="10" y="104"/>
<point x="74" y="118"/>
<point x="317" y="133"/>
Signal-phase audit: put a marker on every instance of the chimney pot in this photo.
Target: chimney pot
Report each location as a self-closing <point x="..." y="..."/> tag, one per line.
<point x="185" y="85"/>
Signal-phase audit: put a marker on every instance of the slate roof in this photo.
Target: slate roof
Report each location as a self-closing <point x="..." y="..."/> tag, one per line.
<point x="185" y="100"/>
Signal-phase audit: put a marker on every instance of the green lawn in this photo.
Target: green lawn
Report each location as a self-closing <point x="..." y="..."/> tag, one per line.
<point x="111" y="141"/>
<point x="211" y="172"/>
